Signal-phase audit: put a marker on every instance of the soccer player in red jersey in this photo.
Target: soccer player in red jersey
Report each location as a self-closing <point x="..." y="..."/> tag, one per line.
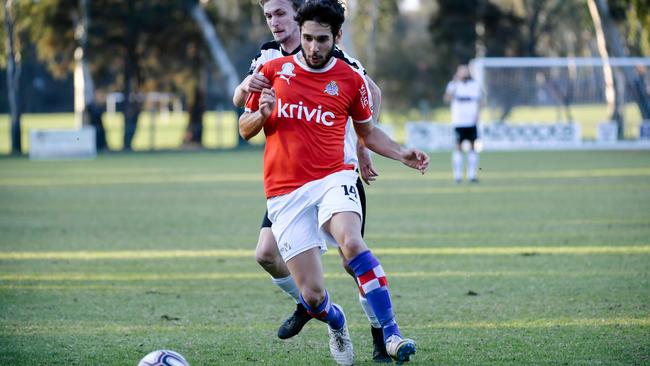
<point x="280" y="18"/>
<point x="310" y="190"/>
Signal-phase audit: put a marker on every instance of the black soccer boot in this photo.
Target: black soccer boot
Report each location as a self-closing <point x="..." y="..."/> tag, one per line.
<point x="379" y="353"/>
<point x="293" y="325"/>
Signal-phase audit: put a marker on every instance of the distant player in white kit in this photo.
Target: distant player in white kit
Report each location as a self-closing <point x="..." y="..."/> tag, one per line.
<point x="464" y="93"/>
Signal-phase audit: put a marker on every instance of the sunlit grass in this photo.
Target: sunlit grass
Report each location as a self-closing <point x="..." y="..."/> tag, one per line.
<point x="545" y="261"/>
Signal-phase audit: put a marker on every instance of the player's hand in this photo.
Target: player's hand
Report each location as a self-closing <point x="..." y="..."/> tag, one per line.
<point x="416" y="159"/>
<point x="256" y="82"/>
<point x="366" y="168"/>
<point x="267" y="102"/>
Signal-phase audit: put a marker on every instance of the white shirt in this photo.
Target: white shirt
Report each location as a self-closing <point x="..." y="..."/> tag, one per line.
<point x="465" y="102"/>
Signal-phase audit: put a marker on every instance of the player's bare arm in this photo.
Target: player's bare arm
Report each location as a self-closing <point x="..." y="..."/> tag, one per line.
<point x="376" y="140"/>
<point x="251" y="123"/>
<point x="255" y="82"/>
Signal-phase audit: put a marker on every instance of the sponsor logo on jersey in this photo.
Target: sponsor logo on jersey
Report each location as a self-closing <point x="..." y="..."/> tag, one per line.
<point x="364" y="95"/>
<point x="287" y="72"/>
<point x="303" y="112"/>
<point x="332" y="89"/>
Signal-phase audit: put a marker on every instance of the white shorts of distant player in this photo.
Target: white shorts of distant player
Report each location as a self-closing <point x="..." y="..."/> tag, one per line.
<point x="298" y="217"/>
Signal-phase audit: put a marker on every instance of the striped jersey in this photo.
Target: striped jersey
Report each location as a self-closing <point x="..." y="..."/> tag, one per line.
<point x="465" y="102"/>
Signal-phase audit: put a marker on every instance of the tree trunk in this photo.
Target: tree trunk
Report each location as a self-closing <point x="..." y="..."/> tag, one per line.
<point x="600" y="16"/>
<point x="194" y="131"/>
<point x="13" y="77"/>
<point x="131" y="79"/>
<point x="217" y="51"/>
<point x="84" y="87"/>
<point x="615" y="45"/>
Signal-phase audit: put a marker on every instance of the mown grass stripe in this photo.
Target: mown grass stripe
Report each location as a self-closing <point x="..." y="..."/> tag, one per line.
<point x="238" y="253"/>
<point x="169" y="177"/>
<point x="219" y="276"/>
<point x="505" y="189"/>
<point x="103" y="328"/>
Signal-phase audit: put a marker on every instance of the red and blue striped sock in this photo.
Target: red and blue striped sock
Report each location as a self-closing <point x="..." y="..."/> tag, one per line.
<point x="325" y="312"/>
<point x="374" y="286"/>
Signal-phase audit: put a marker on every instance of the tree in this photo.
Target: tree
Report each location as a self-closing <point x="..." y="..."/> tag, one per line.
<point x="13" y="76"/>
<point x="133" y="46"/>
<point x="639" y="15"/>
<point x="220" y="58"/>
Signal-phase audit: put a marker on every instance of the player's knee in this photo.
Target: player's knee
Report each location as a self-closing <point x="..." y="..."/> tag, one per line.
<point x="354" y="244"/>
<point x="264" y="256"/>
<point x="313" y="295"/>
<point x="266" y="252"/>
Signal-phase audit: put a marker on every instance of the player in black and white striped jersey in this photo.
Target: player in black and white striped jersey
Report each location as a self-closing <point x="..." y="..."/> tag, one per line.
<point x="280" y="15"/>
<point x="464" y="94"/>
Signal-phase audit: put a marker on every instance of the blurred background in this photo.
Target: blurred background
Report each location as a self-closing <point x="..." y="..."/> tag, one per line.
<point x="158" y="74"/>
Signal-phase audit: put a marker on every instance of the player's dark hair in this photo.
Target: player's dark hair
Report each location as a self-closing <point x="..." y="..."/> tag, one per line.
<point x="296" y="3"/>
<point x="329" y="12"/>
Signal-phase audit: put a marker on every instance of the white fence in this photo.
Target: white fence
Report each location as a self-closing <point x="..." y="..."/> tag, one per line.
<point x="431" y="136"/>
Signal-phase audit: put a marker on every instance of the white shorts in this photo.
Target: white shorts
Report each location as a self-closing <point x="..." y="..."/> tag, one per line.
<point x="298" y="217"/>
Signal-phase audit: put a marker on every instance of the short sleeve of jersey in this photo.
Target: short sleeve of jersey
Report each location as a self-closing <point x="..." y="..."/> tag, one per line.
<point x="354" y="63"/>
<point x="360" y="109"/>
<point x="268" y="51"/>
<point x="253" y="100"/>
<point x="260" y="59"/>
<point x="356" y="66"/>
<point x="451" y="88"/>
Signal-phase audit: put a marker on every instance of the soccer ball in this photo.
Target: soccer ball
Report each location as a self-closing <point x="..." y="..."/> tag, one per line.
<point x="163" y="357"/>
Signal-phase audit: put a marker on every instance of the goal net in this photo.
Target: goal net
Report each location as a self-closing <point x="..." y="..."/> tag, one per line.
<point x="565" y="90"/>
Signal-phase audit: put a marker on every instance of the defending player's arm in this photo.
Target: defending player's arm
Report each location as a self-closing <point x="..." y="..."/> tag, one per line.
<point x="252" y="122"/>
<point x="366" y="167"/>
<point x="254" y="82"/>
<point x="376" y="140"/>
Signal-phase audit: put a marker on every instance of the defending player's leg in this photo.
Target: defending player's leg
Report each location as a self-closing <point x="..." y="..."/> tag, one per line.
<point x="268" y="257"/>
<point x="379" y="353"/>
<point x="345" y="228"/>
<point x="307" y="269"/>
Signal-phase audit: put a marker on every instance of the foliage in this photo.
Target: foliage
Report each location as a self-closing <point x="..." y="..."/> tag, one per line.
<point x="410" y="54"/>
<point x="641" y="11"/>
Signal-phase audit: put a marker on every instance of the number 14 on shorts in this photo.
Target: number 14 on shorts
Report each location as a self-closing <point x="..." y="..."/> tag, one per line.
<point x="349" y="191"/>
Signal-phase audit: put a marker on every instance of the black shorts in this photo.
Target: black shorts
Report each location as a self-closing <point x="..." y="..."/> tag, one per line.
<point x="466" y="133"/>
<point x="362" y="195"/>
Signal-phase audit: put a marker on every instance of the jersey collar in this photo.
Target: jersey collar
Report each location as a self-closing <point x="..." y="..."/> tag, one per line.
<point x="285" y="53"/>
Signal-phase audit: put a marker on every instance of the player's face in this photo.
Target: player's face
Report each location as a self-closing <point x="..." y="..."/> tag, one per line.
<point x="279" y="16"/>
<point x="317" y="42"/>
<point x="463" y="72"/>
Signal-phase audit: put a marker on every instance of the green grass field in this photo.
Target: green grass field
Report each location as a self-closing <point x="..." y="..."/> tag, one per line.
<point x="104" y="261"/>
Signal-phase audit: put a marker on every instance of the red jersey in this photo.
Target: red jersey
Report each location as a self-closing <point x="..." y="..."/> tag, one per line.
<point x="305" y="132"/>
